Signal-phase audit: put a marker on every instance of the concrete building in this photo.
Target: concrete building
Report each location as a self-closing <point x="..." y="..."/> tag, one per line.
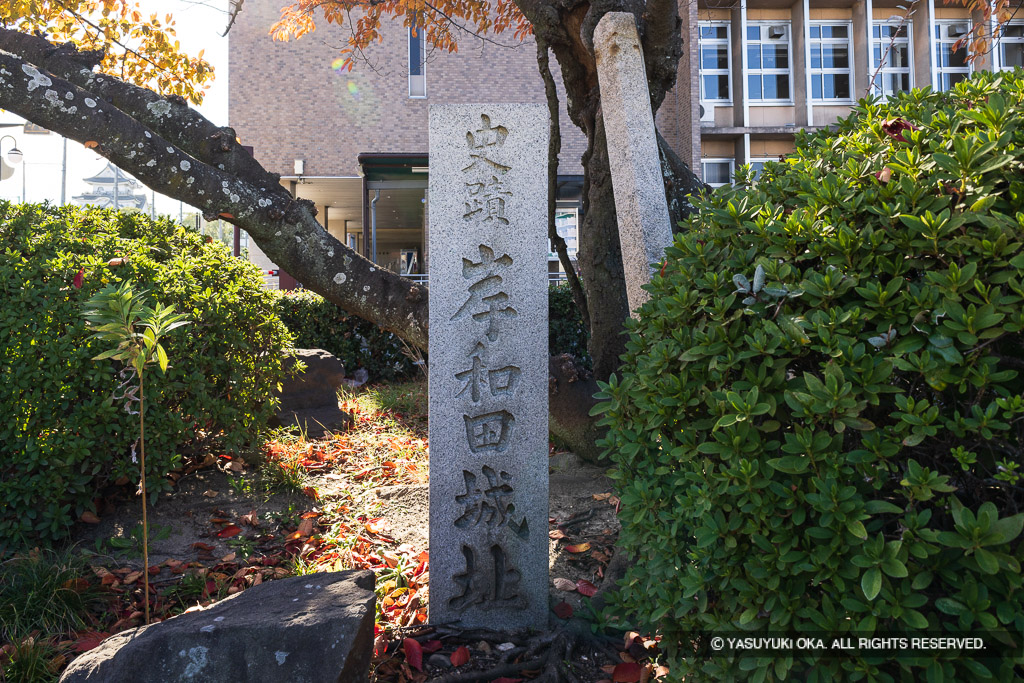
<point x="768" y="67"/>
<point x="355" y="142"/>
<point x="752" y="73"/>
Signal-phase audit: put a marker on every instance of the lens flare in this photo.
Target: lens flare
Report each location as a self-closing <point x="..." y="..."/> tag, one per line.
<point x="353" y="89"/>
<point x="339" y="63"/>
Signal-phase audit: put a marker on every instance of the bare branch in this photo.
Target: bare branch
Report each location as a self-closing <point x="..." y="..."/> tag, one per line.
<point x="554" y="147"/>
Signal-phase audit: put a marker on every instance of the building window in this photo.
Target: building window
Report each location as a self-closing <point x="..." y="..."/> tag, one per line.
<point x="951" y="64"/>
<point x="757" y="165"/>
<point x="717" y="172"/>
<point x="769" y="78"/>
<point x="893" y="58"/>
<point x="715" y="62"/>
<point x="1011" y="46"/>
<point x="417" y="62"/>
<point x="567" y="225"/>
<point x="831" y="62"/>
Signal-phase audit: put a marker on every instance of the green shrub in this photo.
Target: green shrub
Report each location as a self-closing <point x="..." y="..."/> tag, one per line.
<point x="566" y="333"/>
<point x="319" y="324"/>
<point x="819" y="424"/>
<point x="64" y="432"/>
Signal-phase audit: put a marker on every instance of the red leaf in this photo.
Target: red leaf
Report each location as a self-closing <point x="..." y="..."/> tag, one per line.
<point x="225" y="214"/>
<point x="202" y="546"/>
<point x="79" y="279"/>
<point x="586" y="588"/>
<point x="563" y="610"/>
<point x="88" y="640"/>
<point x="89" y="518"/>
<point x="413" y="653"/>
<point x="579" y="548"/>
<point x="431" y="646"/>
<point x="230" y="531"/>
<point x="626" y="672"/>
<point x="460" y="656"/>
<point x="507" y="680"/>
<point x="89" y="144"/>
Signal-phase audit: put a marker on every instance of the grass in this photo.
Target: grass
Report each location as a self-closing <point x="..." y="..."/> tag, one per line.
<point x="44" y="597"/>
<point x="44" y="591"/>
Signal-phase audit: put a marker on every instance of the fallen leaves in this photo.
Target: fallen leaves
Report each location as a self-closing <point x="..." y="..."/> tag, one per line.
<point x="626" y="672"/>
<point x="563" y="610"/>
<point x="413" y="653"/>
<point x="460" y="656"/>
<point x="89" y="518"/>
<point x="565" y="584"/>
<point x="578" y="548"/>
<point x="586" y="588"/>
<point x="230" y="531"/>
<point x="88" y="640"/>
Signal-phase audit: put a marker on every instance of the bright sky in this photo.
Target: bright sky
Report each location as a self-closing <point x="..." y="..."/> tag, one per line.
<point x="199" y="24"/>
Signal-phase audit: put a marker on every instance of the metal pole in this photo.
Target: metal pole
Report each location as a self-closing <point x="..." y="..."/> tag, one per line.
<point x="117" y="189"/>
<point x="64" y="174"/>
<point x="152" y="204"/>
<point x="373" y="225"/>
<point x="23" y="165"/>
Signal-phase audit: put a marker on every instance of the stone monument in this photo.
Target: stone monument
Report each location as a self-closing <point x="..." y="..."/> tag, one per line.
<point x="645" y="228"/>
<point x="488" y="365"/>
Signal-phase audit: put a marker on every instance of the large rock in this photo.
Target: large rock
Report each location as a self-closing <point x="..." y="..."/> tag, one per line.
<point x="303" y="629"/>
<point x="317" y="386"/>
<point x="310" y="399"/>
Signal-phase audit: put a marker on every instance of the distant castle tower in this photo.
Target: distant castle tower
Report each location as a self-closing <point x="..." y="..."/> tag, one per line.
<point x="103" y="192"/>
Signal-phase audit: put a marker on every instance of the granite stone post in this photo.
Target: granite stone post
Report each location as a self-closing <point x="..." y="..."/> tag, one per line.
<point x="488" y="365"/>
<point x="645" y="228"/>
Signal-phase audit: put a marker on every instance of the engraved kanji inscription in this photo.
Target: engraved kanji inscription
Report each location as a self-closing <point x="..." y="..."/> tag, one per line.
<point x="489" y="502"/>
<point x="489" y="432"/>
<point x="490" y="580"/>
<point x="486" y="200"/>
<point x="486" y="302"/>
<point x="478" y="378"/>
<point x="483" y="143"/>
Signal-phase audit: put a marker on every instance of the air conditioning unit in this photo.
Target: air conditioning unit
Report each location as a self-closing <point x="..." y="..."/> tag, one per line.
<point x="958" y="30"/>
<point x="707" y="112"/>
<point x="777" y="32"/>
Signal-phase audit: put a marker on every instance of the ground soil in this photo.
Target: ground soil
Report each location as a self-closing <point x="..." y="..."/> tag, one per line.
<point x="184" y="525"/>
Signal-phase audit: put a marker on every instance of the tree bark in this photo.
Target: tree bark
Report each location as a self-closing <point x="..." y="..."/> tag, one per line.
<point x="567" y="26"/>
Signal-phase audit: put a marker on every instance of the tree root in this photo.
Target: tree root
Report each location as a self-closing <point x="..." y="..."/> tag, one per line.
<point x="544" y="658"/>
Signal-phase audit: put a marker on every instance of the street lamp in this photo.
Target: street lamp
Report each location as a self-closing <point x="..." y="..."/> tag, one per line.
<point x="14" y="157"/>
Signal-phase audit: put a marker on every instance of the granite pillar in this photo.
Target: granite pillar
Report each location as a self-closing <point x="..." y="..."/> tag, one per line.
<point x="488" y="365"/>
<point x="645" y="228"/>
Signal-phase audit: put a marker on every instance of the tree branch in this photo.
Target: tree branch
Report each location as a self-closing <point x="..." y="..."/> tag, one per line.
<point x="554" y="147"/>
<point x="283" y="227"/>
<point x="662" y="38"/>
